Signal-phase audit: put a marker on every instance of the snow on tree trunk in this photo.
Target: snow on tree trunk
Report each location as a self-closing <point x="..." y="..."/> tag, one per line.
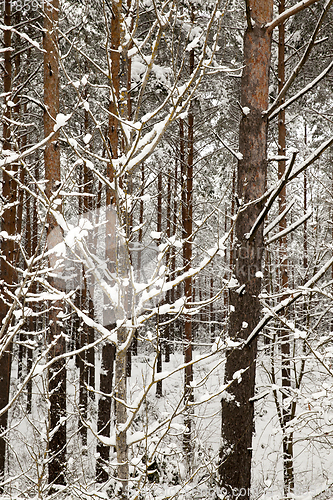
<point x="238" y="410"/>
<point x="287" y="440"/>
<point x="187" y="214"/>
<point x="57" y="371"/>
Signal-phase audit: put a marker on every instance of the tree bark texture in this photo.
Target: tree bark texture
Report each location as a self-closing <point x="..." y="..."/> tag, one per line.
<point x="108" y="351"/>
<point x="104" y="411"/>
<point x="286" y="407"/>
<point x="56" y="335"/>
<point x="121" y="413"/>
<point x="237" y="409"/>
<point x="187" y="214"/>
<point x="8" y="247"/>
<point x="159" y="385"/>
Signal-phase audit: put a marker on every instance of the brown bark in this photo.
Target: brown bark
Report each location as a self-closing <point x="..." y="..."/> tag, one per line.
<point x="7" y="246"/>
<point x="140" y="237"/>
<point x="86" y="361"/>
<point x="108" y="351"/>
<point x="287" y="440"/>
<point x="168" y="262"/>
<point x="238" y="413"/>
<point x="104" y="411"/>
<point x="33" y="321"/>
<point x="187" y="253"/>
<point x="172" y="327"/>
<point x="159" y="333"/>
<point x="121" y="414"/>
<point x="57" y="372"/>
<point x="211" y="310"/>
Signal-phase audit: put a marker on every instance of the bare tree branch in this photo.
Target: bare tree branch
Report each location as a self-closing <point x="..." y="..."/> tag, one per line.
<point x="234" y="153"/>
<point x="301" y="92"/>
<point x="287" y="302"/>
<point x="303" y="60"/>
<point x="288" y="13"/>
<point x="312" y="158"/>
<point x="280" y="217"/>
<point x="283" y="181"/>
<point x="290" y="228"/>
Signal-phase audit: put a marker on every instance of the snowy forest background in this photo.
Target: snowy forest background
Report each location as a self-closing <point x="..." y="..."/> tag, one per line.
<point x="130" y="167"/>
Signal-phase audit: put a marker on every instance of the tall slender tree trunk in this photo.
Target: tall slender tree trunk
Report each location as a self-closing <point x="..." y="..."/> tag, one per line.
<point x="238" y="410"/>
<point x="104" y="411"/>
<point x="7" y="246"/>
<point x="211" y="310"/>
<point x="231" y="242"/>
<point x="286" y="408"/>
<point x="108" y="350"/>
<point x="168" y="263"/>
<point x="86" y="333"/>
<point x="187" y="254"/>
<point x="57" y="372"/>
<point x="121" y="414"/>
<point x="21" y="195"/>
<point x="118" y="104"/>
<point x="173" y="291"/>
<point x="159" y="332"/>
<point x="32" y="320"/>
<point x="140" y="237"/>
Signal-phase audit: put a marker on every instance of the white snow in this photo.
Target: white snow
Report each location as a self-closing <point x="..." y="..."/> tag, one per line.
<point x="61" y="121"/>
<point x="155" y="235"/>
<point x="87" y="138"/>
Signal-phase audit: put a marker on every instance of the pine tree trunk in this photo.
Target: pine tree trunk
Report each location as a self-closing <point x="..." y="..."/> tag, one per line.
<point x="287" y="440"/>
<point x="121" y="414"/>
<point x="238" y="413"/>
<point x="33" y="321"/>
<point x="159" y="332"/>
<point x="104" y="411"/>
<point x="108" y="351"/>
<point x="57" y="372"/>
<point x="168" y="262"/>
<point x="7" y="247"/>
<point x="187" y="254"/>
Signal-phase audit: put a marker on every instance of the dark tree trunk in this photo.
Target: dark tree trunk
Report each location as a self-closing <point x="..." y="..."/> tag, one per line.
<point x="86" y="361"/>
<point x="238" y="413"/>
<point x="187" y="214"/>
<point x="8" y="248"/>
<point x="286" y="408"/>
<point x="104" y="411"/>
<point x="108" y="351"/>
<point x="32" y="321"/>
<point x="159" y="332"/>
<point x="168" y="262"/>
<point x="57" y="372"/>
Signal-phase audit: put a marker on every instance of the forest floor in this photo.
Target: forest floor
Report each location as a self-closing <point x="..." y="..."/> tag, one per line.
<point x="313" y="464"/>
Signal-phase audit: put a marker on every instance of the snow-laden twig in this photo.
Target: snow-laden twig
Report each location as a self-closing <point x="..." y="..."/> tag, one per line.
<point x="311" y="159"/>
<point x="289" y="229"/>
<point x="275" y="222"/>
<point x="15" y="157"/>
<point x="303" y="60"/>
<point x="282" y="182"/>
<point x="287" y="302"/>
<point x="288" y="13"/>
<point x="303" y="91"/>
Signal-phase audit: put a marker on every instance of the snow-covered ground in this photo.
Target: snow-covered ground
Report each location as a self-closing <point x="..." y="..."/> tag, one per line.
<point x="158" y="429"/>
